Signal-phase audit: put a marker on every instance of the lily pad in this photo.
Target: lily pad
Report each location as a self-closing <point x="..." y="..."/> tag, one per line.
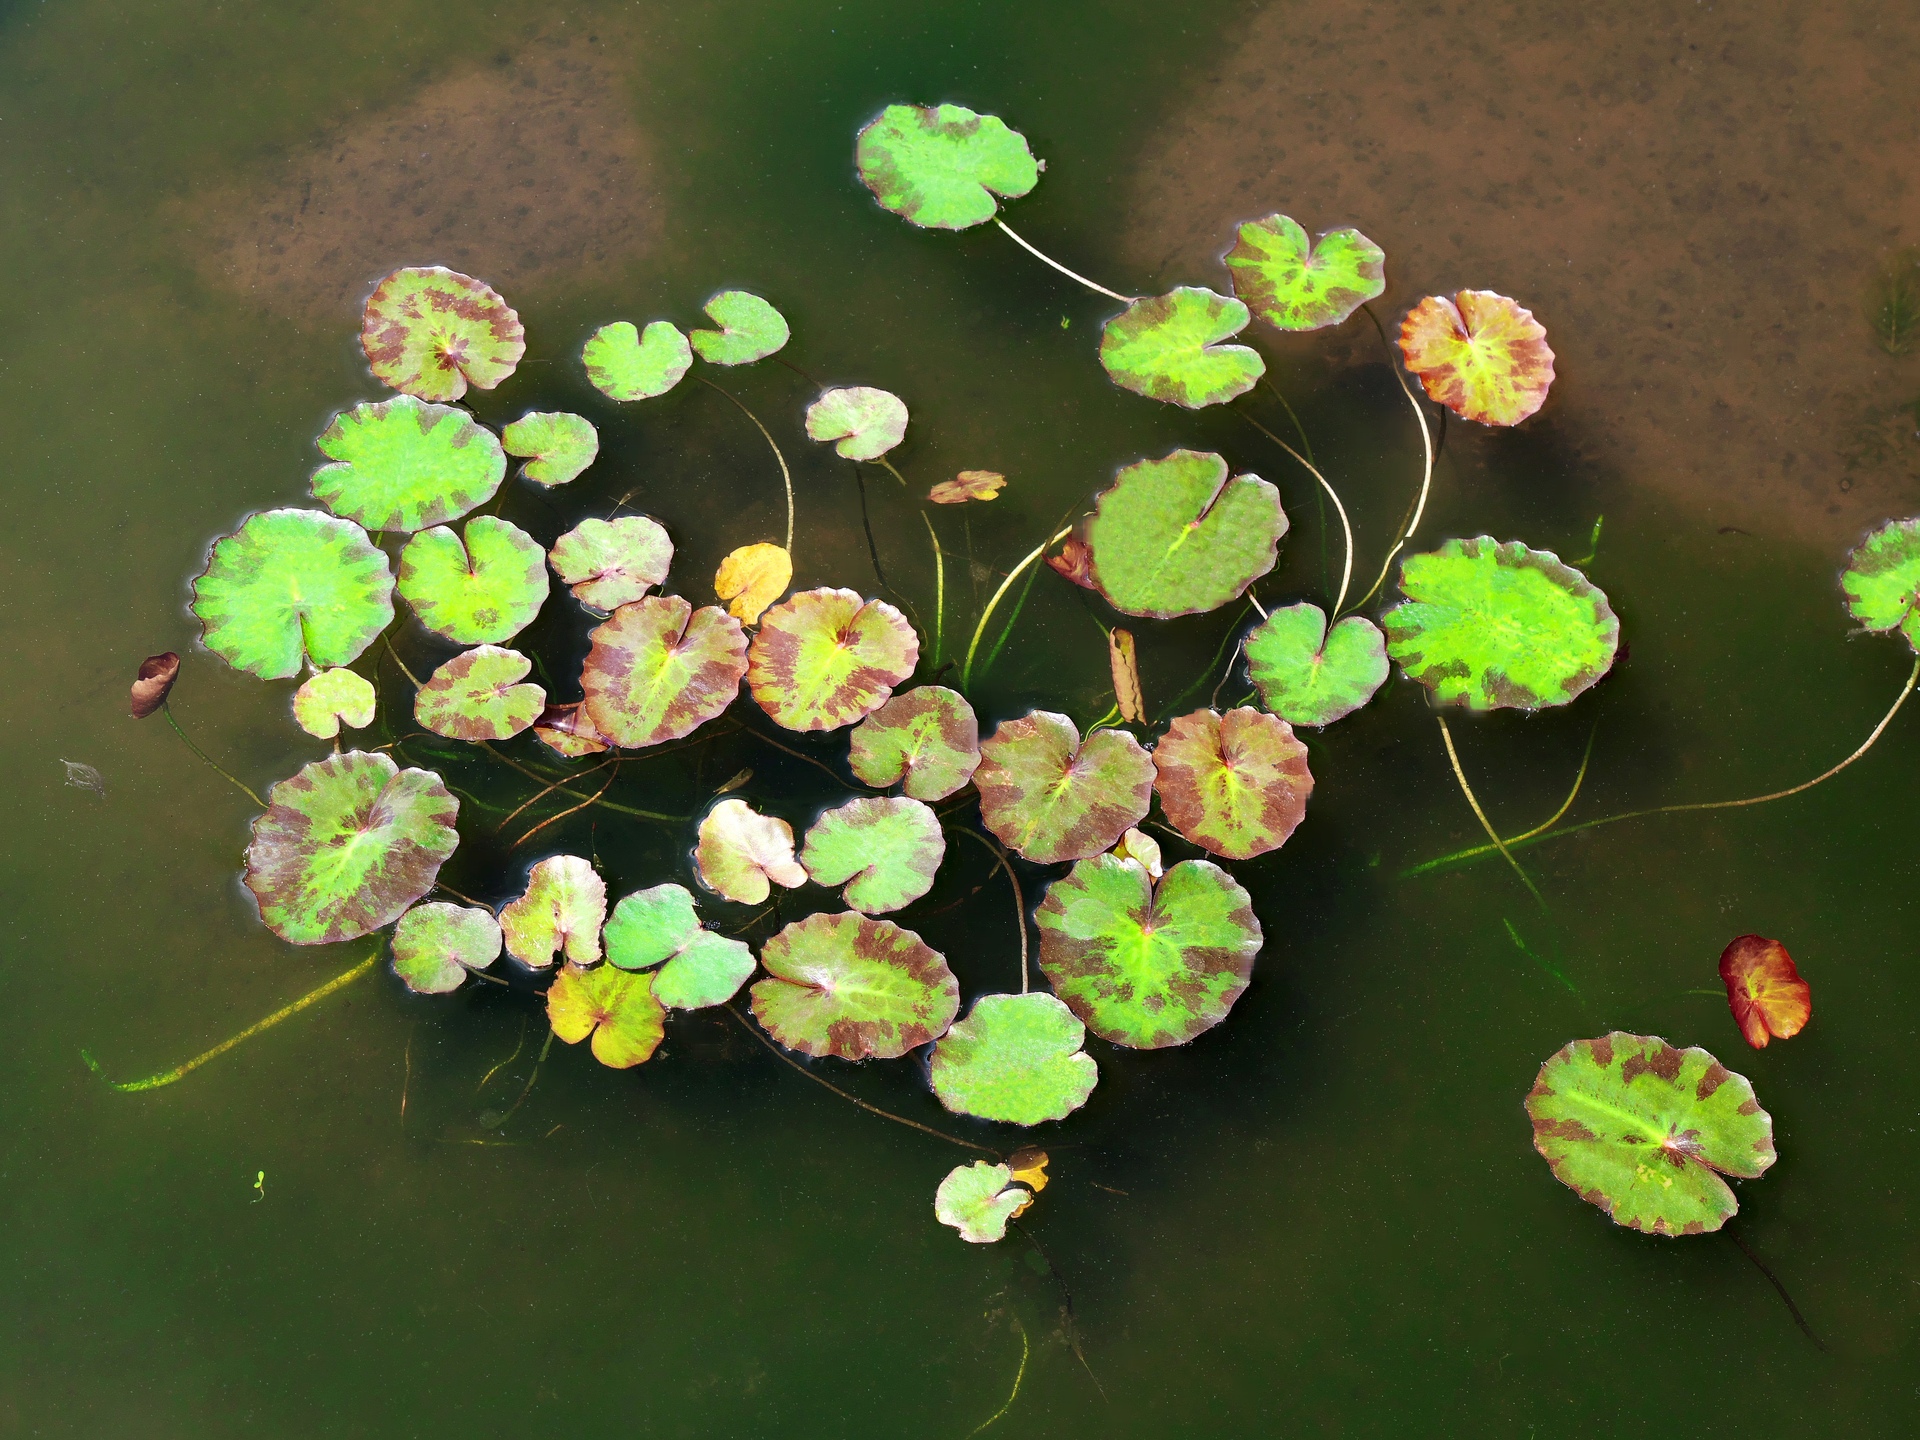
<point x="404" y="465"/>
<point x="978" y="1200"/>
<point x="291" y="586"/>
<point x="741" y="852"/>
<point x="431" y="332"/>
<point x="1052" y="798"/>
<point x="752" y="578"/>
<point x="927" y="736"/>
<point x="1480" y="354"/>
<point x="1145" y="965"/>
<point x="1293" y="284"/>
<point x="1307" y="676"/>
<point x="435" y="945"/>
<point x="346" y="845"/>
<point x="659" y="669"/>
<point x="619" y="1010"/>
<point x="750" y="329"/>
<point x="566" y="730"/>
<point x="826" y="658"/>
<point x="1492" y="626"/>
<point x="557" y="446"/>
<point x="1175" y="536"/>
<point x="1645" y="1131"/>
<point x="1236" y="785"/>
<point x="482" y="590"/>
<point x="939" y="166"/>
<point x="710" y="971"/>
<point x="477" y="695"/>
<point x="1768" y="998"/>
<point x="624" y="364"/>
<point x="1015" y="1058"/>
<point x="1167" y="348"/>
<point x="152" y="683"/>
<point x="858" y="988"/>
<point x="562" y="911"/>
<point x="864" y="422"/>
<point x="610" y="563"/>
<point x="968" y="485"/>
<point x="885" y="850"/>
<point x="331" y="698"/>
<point x="1882" y="580"/>
<point x="659" y="927"/>
<point x="1143" y="850"/>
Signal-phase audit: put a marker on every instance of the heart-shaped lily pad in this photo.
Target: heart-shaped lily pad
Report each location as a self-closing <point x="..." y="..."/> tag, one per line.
<point x="332" y="698"/>
<point x="927" y="736"/>
<point x="404" y="465"/>
<point x="346" y="845"/>
<point x="557" y="446"/>
<point x="1492" y="626"/>
<point x="624" y="364"/>
<point x="659" y="669"/>
<point x="750" y="329"/>
<point x="562" y="911"/>
<point x="863" y="422"/>
<point x="1052" y="798"/>
<point x="1175" y="536"/>
<point x="1015" y="1058"/>
<point x="742" y="852"/>
<point x="1236" y="785"/>
<point x="1293" y="284"/>
<point x="1146" y="965"/>
<point x="1479" y="354"/>
<point x="659" y="927"/>
<point x="939" y="166"/>
<point x="1167" y="348"/>
<point x="289" y="586"/>
<point x="612" y="562"/>
<point x="567" y="730"/>
<point x="482" y="590"/>
<point x="978" y="1200"/>
<point x="826" y="658"/>
<point x="431" y="332"/>
<point x="1307" y="676"/>
<point x="858" y="988"/>
<point x="618" y="1009"/>
<point x="1882" y="580"/>
<point x="1640" y="1128"/>
<point x="885" y="850"/>
<point x="435" y="945"/>
<point x="477" y="695"/>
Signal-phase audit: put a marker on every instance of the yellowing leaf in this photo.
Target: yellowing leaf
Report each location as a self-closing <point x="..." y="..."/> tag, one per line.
<point x="967" y="485"/>
<point x="1126" y="675"/>
<point x="1141" y="848"/>
<point x="1029" y="1167"/>
<point x="752" y="578"/>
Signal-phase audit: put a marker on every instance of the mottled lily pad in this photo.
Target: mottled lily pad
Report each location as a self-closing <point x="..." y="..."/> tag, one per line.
<point x="477" y="695"/>
<point x="625" y="364"/>
<point x="742" y="852"/>
<point x="968" y="485"/>
<point x="659" y="669"/>
<point x="1480" y="355"/>
<point x="557" y="446"/>
<point x="1645" y="1131"/>
<point x="1882" y="580"/>
<point x="618" y="1009"/>
<point x="858" y="988"/>
<point x="567" y="730"/>
<point x="927" y="736"/>
<point x="826" y="658"/>
<point x="1176" y="536"/>
<point x="332" y="698"/>
<point x="482" y="590"/>
<point x="1307" y="676"/>
<point x="750" y="329"/>
<point x="431" y="332"/>
<point x="1167" y="348"/>
<point x="939" y="166"/>
<point x="435" y="945"/>
<point x="1236" y="785"/>
<point x="1015" y="1058"/>
<point x="863" y="422"/>
<point x="978" y="1200"/>
<point x="1146" y="965"/>
<point x="612" y="562"/>
<point x="562" y="911"/>
<point x="751" y="578"/>
<point x="1293" y="284"/>
<point x="1052" y="798"/>
<point x="885" y="850"/>
<point x="404" y="465"/>
<point x="659" y="927"/>
<point x="1492" y="626"/>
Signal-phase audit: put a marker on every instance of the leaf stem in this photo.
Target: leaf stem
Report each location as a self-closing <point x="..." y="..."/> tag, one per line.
<point x="1426" y="477"/>
<point x="1019" y="900"/>
<point x="786" y="475"/>
<point x="939" y="590"/>
<point x="1100" y="289"/>
<point x="246" y="789"/>
<point x="887" y="465"/>
<point x="1018" y="1376"/>
<point x="1774" y="1280"/>
<point x="533" y="774"/>
<point x="1453" y="756"/>
<point x="1346" y="570"/>
<point x="966" y="669"/>
<point x="573" y="810"/>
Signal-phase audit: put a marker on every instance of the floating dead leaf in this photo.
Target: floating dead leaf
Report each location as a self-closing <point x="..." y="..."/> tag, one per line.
<point x="736" y="782"/>
<point x="1029" y="1167"/>
<point x="1768" y="998"/>
<point x="151" y="684"/>
<point x="566" y="730"/>
<point x="967" y="485"/>
<point x="1126" y="675"/>
<point x="1075" y="561"/>
<point x="752" y="578"/>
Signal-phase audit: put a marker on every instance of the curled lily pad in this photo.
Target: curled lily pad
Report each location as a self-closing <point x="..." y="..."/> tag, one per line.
<point x="624" y="364"/>
<point x="1142" y="849"/>
<point x="404" y="465"/>
<point x="1307" y="676"/>
<point x="659" y="669"/>
<point x="741" y="852"/>
<point x="1167" y="348"/>
<point x="826" y="658"/>
<point x="1236" y="785"/>
<point x="858" y="988"/>
<point x="1015" y="1058"/>
<point x="331" y="698"/>
<point x="567" y="730"/>
<point x="435" y="945"/>
<point x="611" y="562"/>
<point x="557" y="446"/>
<point x="1052" y="798"/>
<point x="1176" y="536"/>
<point x="152" y="683"/>
<point x="864" y="422"/>
<point x="346" y="845"/>
<point x="482" y="590"/>
<point x="659" y="927"/>
<point x="750" y="329"/>
<point x="1480" y="355"/>
<point x="1640" y="1128"/>
<point x="927" y="737"/>
<point x="1492" y="626"/>
<point x="1882" y="580"/>
<point x="293" y="585"/>
<point x="885" y="850"/>
<point x="618" y="1009"/>
<point x="431" y="332"/>
<point x="1293" y="284"/>
<point x="939" y="166"/>
<point x="752" y="578"/>
<point x="1074" y="562"/>
<point x="1146" y="965"/>
<point x="978" y="1200"/>
<point x="562" y="911"/>
<point x="968" y="485"/>
<point x="477" y="695"/>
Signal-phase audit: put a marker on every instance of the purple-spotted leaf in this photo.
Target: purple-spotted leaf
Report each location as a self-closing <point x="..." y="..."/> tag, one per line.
<point x="853" y="987"/>
<point x="660" y="669"/>
<point x="562" y="911"/>
<point x="610" y="563"/>
<point x="616" y="1008"/>
<point x="477" y="695"/>
<point x="404" y="465"/>
<point x="741" y="851"/>
<point x="557" y="446"/>
<point x="435" y="945"/>
<point x="1479" y="354"/>
<point x="885" y="850"/>
<point x="927" y="737"/>
<point x="567" y="730"/>
<point x="480" y="590"/>
<point x="1142" y="849"/>
<point x="1237" y="784"/>
<point x="1052" y="798"/>
<point x="968" y="485"/>
<point x="826" y="658"/>
<point x="332" y="698"/>
<point x="864" y="423"/>
<point x="1176" y="536"/>
<point x="431" y="332"/>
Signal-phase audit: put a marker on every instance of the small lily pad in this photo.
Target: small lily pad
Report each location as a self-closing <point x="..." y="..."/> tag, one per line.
<point x="568" y="731"/>
<point x="477" y="695"/>
<point x="1480" y="355"/>
<point x="625" y="364"/>
<point x="332" y="698"/>
<point x="1882" y="580"/>
<point x="1768" y="998"/>
<point x="1307" y="676"/>
<point x="612" y="562"/>
<point x="404" y="465"/>
<point x="1236" y="785"/>
<point x="752" y="578"/>
<point x="435" y="945"/>
<point x="659" y="669"/>
<point x="152" y="683"/>
<point x="939" y="166"/>
<point x="927" y="736"/>
<point x="1293" y="284"/>
<point x="1142" y="849"/>
<point x="619" y="1010"/>
<point x="1175" y="536"/>
<point x="978" y="1200"/>
<point x="826" y="658"/>
<point x="1167" y="348"/>
<point x="750" y="330"/>
<point x="557" y="446"/>
<point x="562" y="911"/>
<point x="659" y="927"/>
<point x="1052" y="798"/>
<point x="968" y="485"/>
<point x="885" y="850"/>
<point x="431" y="332"/>
<point x="858" y="988"/>
<point x="864" y="422"/>
<point x="482" y="590"/>
<point x="1015" y="1058"/>
<point x="741" y="852"/>
<point x="710" y="971"/>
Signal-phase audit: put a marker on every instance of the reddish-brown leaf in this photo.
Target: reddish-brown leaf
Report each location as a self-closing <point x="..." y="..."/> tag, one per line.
<point x="967" y="485"/>
<point x="151" y="685"/>
<point x="1075" y="561"/>
<point x="1768" y="998"/>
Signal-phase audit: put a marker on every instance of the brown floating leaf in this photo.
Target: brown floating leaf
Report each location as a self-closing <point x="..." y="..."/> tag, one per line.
<point x="752" y="578"/>
<point x="967" y="485"/>
<point x="566" y="730"/>
<point x="1126" y="675"/>
<point x="150" y="686"/>
<point x="1075" y="561"/>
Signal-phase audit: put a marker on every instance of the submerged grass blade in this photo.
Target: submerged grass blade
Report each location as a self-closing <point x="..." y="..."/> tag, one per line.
<point x="939" y="590"/>
<point x="1018" y="1376"/>
<point x="1032" y="557"/>
<point x="1453" y="757"/>
<point x="1426" y="477"/>
<point x="1045" y="260"/>
<point x="786" y="475"/>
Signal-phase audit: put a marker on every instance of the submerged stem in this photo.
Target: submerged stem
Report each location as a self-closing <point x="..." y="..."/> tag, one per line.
<point x="1045" y="260"/>
<point x="1346" y="529"/>
<point x="533" y="774"/>
<point x="1426" y="477"/>
<point x="966" y="669"/>
<point x="1019" y="900"/>
<point x="1485" y="824"/>
<point x="572" y="810"/>
<point x="167" y="709"/>
<point x="1018" y="1376"/>
<point x="939" y="590"/>
<point x="1774" y="1280"/>
<point x="786" y="475"/>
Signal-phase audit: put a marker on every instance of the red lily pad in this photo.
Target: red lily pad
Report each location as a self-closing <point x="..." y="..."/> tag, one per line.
<point x="1479" y="354"/>
<point x="1052" y="798"/>
<point x="477" y="695"/>
<point x="612" y="562"/>
<point x="430" y="332"/>
<point x="854" y="987"/>
<point x="1768" y="998"/>
<point x="928" y="737"/>
<point x="1237" y="784"/>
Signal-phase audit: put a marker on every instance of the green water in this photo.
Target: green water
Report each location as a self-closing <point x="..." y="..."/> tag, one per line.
<point x="1323" y="1217"/>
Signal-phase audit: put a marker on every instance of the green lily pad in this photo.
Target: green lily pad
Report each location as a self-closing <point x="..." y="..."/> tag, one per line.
<point x="1293" y="284"/>
<point x="431" y="332"/>
<point x="346" y="845"/>
<point x="435" y="945"/>
<point x="1015" y="1058"/>
<point x="557" y="446"/>
<point x="1052" y="798"/>
<point x="885" y="850"/>
<point x="332" y="698"/>
<point x="1146" y="965"/>
<point x="659" y="669"/>
<point x="568" y="731"/>
<point x="928" y="737"/>
<point x="404" y="465"/>
<point x="858" y="988"/>
<point x="619" y="1010"/>
<point x="659" y="927"/>
<point x="742" y="852"/>
<point x="750" y="329"/>
<point x="1492" y="626"/>
<point x="1307" y="676"/>
<point x="1175" y="536"/>
<point x="477" y="695"/>
<point x="864" y="422"/>
<point x="710" y="971"/>
<point x="978" y="1200"/>
<point x="939" y="166"/>
<point x="612" y="562"/>
<point x="1882" y="580"/>
<point x="625" y="364"/>
<point x="1167" y="348"/>
<point x="482" y="590"/>
<point x="1236" y="785"/>
<point x="290" y="586"/>
<point x="562" y="911"/>
<point x="826" y="658"/>
<point x="1645" y="1131"/>
<point x="1480" y="355"/>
